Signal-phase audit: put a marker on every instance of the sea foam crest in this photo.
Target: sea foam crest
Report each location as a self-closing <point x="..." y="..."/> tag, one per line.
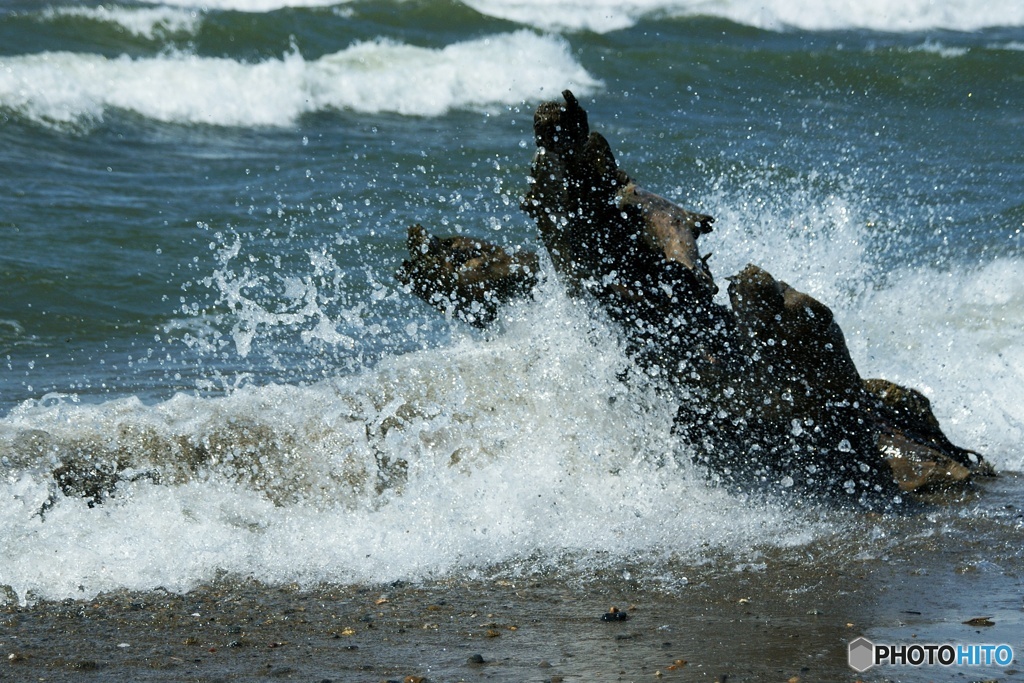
<point x="64" y="88"/>
<point x="248" y="5"/>
<point x="602" y="16"/>
<point x="151" y="23"/>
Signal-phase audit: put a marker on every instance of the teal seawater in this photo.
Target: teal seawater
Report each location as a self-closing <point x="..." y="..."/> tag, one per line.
<point x="108" y="215"/>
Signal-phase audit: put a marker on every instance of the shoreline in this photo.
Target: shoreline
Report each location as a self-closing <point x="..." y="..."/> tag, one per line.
<point x="741" y="626"/>
<point x="787" y="616"/>
<point x="539" y="630"/>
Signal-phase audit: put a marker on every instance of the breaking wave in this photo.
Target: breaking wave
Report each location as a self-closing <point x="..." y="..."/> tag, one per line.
<point x="526" y="445"/>
<point x="76" y="90"/>
<point x="604" y="16"/>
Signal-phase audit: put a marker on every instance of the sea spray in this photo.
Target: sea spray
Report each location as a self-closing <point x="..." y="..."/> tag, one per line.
<point x="526" y="444"/>
<point x="952" y="332"/>
<point x="945" y="328"/>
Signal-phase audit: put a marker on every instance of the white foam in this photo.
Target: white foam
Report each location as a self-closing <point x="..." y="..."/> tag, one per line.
<point x="913" y="15"/>
<point x="520" y="447"/>
<point x="149" y="23"/>
<point x="956" y="335"/>
<point x="253" y="6"/>
<point x="812" y="237"/>
<point x="879" y="15"/>
<point x="599" y="16"/>
<point x="937" y="48"/>
<point x="603" y="16"/>
<point x="64" y="88"/>
<point x="297" y="303"/>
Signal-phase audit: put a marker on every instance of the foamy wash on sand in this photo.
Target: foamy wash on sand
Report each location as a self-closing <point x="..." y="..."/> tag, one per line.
<point x="203" y="209"/>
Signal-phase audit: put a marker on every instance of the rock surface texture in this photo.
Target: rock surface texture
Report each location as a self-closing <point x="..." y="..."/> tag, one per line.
<point x="769" y="397"/>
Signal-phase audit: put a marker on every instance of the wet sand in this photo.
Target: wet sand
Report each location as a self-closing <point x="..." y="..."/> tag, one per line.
<point x="787" y="617"/>
<point x="536" y="631"/>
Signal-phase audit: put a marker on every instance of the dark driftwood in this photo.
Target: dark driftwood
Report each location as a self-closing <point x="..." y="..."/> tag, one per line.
<point x="468" y="277"/>
<point x="768" y="394"/>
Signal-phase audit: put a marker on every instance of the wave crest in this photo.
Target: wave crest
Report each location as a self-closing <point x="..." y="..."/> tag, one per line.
<point x="65" y="89"/>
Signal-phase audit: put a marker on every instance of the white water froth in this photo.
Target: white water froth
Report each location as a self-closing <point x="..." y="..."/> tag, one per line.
<point x="954" y="334"/>
<point x="254" y="6"/>
<point x="151" y="23"/>
<point x="522" y="448"/>
<point x="602" y="16"/>
<point x="958" y="336"/>
<point x="71" y="89"/>
<point x="525" y="448"/>
<point x="937" y="48"/>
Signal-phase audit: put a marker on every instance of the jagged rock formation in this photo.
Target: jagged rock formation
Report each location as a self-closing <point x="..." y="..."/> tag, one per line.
<point x="768" y="394"/>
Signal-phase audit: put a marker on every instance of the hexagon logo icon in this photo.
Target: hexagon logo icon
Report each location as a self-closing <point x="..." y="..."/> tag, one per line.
<point x="862" y="654"/>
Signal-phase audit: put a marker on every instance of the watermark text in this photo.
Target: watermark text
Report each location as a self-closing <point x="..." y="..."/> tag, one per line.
<point x="863" y="654"/>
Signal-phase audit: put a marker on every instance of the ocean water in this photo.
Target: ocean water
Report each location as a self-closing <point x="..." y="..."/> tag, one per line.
<point x="203" y="205"/>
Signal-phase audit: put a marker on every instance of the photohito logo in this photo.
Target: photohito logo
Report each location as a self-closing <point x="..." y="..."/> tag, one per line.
<point x="863" y="654"/>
